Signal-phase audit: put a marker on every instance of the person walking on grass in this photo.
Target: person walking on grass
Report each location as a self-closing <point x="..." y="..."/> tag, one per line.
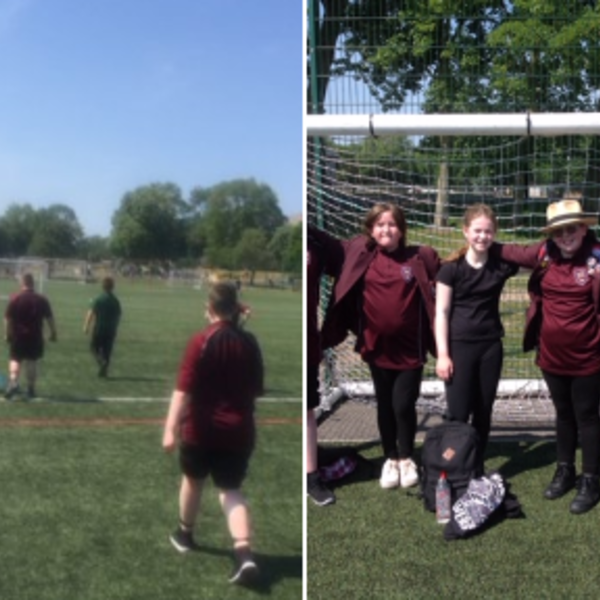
<point x="211" y="419"/>
<point x="563" y="327"/>
<point x="468" y="329"/>
<point x="385" y="295"/>
<point x="24" y="331"/>
<point x="105" y="315"/>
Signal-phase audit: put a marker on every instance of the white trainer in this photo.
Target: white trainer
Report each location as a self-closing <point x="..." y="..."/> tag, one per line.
<point x="409" y="475"/>
<point x="390" y="476"/>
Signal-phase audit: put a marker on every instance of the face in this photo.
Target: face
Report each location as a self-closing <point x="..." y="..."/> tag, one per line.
<point x="385" y="232"/>
<point x="569" y="238"/>
<point x="480" y="234"/>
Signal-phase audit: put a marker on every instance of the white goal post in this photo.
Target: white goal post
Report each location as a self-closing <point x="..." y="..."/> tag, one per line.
<point x="517" y="124"/>
<point x="531" y="159"/>
<point x="12" y="269"/>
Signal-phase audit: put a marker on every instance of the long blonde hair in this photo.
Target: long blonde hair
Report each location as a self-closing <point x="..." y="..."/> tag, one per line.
<point x="471" y="213"/>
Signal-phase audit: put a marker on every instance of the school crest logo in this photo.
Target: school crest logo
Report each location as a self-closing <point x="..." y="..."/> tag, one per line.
<point x="581" y="275"/>
<point x="407" y="273"/>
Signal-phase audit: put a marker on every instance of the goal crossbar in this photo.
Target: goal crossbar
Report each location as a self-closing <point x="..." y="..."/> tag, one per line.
<point x="517" y="124"/>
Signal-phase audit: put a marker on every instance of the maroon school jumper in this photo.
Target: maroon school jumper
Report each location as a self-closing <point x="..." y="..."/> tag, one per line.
<point x="222" y="371"/>
<point x="562" y="320"/>
<point x="26" y="312"/>
<point x="396" y="328"/>
<point x="417" y="265"/>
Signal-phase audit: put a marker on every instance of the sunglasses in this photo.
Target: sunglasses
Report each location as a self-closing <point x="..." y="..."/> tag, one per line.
<point x="568" y="229"/>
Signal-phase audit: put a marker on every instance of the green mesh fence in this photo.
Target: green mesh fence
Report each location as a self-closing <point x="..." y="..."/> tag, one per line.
<point x="448" y="57"/>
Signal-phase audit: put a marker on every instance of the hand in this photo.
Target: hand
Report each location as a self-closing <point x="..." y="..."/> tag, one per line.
<point x="169" y="441"/>
<point x="444" y="368"/>
<point x="245" y="312"/>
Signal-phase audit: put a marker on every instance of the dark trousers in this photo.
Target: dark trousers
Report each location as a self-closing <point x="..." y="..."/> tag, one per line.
<point x="397" y="393"/>
<point x="471" y="392"/>
<point x="102" y="346"/>
<point x="577" y="404"/>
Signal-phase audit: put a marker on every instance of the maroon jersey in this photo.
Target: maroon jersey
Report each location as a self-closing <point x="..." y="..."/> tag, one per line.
<point x="395" y="323"/>
<point x="569" y="335"/>
<point x="26" y="312"/>
<point x="222" y="371"/>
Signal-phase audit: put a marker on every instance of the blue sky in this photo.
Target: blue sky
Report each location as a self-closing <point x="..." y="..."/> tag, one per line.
<point x="99" y="97"/>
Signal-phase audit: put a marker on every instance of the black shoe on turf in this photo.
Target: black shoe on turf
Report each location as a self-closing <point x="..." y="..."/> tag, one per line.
<point x="245" y="569"/>
<point x="563" y="481"/>
<point x="30" y="392"/>
<point x="588" y="494"/>
<point x="183" y="541"/>
<point x="318" y="492"/>
<point x="11" y="391"/>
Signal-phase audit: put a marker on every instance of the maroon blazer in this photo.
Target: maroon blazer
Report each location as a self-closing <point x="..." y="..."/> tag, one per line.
<point x="344" y="310"/>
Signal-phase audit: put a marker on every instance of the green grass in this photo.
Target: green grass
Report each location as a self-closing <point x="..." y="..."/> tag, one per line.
<point x="88" y="497"/>
<point x="376" y="543"/>
<point x="157" y="322"/>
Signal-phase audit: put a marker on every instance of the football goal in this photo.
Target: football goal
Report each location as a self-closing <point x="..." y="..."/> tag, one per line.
<point x="434" y="166"/>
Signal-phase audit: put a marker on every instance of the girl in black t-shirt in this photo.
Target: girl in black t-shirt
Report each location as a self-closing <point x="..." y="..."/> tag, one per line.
<point x="468" y="329"/>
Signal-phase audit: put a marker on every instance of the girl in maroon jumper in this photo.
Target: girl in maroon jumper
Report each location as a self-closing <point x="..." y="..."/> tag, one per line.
<point x="384" y="294"/>
<point x="562" y="325"/>
<point x="211" y="415"/>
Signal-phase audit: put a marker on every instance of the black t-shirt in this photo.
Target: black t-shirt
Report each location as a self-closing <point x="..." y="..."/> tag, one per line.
<point x="475" y="312"/>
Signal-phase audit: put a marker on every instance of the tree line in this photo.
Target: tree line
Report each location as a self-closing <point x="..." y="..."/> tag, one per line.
<point x="236" y="224"/>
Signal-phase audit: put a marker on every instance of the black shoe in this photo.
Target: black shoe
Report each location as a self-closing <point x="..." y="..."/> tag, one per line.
<point x="30" y="392"/>
<point x="318" y="492"/>
<point x="183" y="541"/>
<point x="563" y="481"/>
<point x="245" y="569"/>
<point x="588" y="494"/>
<point x="12" y="390"/>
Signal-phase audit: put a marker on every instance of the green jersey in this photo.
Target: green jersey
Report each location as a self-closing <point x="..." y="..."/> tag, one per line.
<point x="107" y="310"/>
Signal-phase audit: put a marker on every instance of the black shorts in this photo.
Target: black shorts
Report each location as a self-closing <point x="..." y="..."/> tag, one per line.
<point x="26" y="350"/>
<point x="227" y="469"/>
<point x="313" y="398"/>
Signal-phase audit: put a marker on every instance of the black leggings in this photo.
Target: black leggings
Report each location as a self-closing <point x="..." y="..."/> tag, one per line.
<point x="577" y="404"/>
<point x="472" y="390"/>
<point x="397" y="393"/>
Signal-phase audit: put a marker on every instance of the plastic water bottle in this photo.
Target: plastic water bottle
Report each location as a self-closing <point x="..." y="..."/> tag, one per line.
<point x="443" y="501"/>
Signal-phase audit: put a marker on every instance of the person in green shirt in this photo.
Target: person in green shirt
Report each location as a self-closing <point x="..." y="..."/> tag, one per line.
<point x="105" y="315"/>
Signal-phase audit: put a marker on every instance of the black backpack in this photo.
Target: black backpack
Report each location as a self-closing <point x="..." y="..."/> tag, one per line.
<point x="452" y="447"/>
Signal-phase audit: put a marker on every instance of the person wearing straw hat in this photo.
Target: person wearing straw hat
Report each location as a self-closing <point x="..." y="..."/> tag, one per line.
<point x="563" y="326"/>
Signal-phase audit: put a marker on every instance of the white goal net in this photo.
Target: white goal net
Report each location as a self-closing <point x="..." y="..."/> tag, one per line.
<point x="434" y="167"/>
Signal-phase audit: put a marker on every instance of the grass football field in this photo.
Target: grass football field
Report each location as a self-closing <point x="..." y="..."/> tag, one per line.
<point x="382" y="544"/>
<point x="88" y="498"/>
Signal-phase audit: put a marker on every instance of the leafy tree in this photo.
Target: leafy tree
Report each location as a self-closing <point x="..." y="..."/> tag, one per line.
<point x="286" y="248"/>
<point x="149" y="223"/>
<point x="18" y="223"/>
<point x="293" y="257"/>
<point x="251" y="253"/>
<point x="95" y="248"/>
<point x="57" y="233"/>
<point x="224" y="212"/>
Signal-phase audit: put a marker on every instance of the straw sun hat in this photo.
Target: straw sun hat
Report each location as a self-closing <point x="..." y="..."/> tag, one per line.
<point x="566" y="212"/>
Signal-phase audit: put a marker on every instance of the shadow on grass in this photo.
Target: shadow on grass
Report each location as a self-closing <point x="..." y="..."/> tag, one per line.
<point x="522" y="456"/>
<point x="272" y="569"/>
